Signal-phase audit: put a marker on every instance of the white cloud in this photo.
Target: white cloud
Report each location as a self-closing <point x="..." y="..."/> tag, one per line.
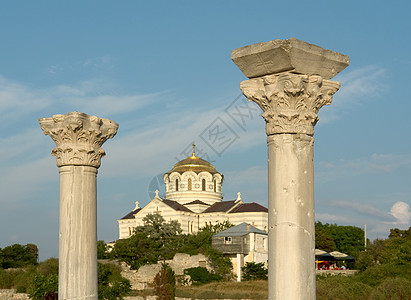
<point x="18" y="100"/>
<point x="357" y="86"/>
<point x="375" y="163"/>
<point x="95" y="97"/>
<point x="363" y="209"/>
<point x="331" y="218"/>
<point x="401" y="212"/>
<point x="97" y="62"/>
<point x="357" y="214"/>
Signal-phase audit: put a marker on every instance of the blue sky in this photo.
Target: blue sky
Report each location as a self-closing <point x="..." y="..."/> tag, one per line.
<point x="163" y="72"/>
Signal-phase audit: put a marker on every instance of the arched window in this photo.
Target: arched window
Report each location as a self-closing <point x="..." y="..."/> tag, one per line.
<point x="176" y="185"/>
<point x="203" y="183"/>
<point x="190" y="184"/>
<point x="215" y="185"/>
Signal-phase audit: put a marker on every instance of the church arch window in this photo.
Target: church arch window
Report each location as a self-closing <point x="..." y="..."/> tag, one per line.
<point x="177" y="185"/>
<point x="203" y="182"/>
<point x="215" y="185"/>
<point x="190" y="184"/>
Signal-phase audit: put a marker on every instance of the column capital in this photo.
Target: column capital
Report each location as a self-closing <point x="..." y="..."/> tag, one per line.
<point x="290" y="102"/>
<point x="78" y="138"/>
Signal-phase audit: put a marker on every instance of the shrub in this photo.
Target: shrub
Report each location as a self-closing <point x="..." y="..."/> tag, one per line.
<point x="375" y="275"/>
<point x="393" y="288"/>
<point x="49" y="266"/>
<point x="341" y="288"/>
<point x="200" y="275"/>
<point x="43" y="284"/>
<point x="254" y="271"/>
<point x="165" y="284"/>
<point x="18" y="279"/>
<point x="111" y="285"/>
<point x="221" y="264"/>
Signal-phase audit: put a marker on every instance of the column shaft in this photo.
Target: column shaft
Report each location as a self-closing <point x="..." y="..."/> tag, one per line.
<point x="78" y="233"/>
<point x="291" y="217"/>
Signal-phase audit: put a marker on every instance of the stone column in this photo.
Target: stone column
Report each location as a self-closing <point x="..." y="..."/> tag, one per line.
<point x="289" y="80"/>
<point x="78" y="139"/>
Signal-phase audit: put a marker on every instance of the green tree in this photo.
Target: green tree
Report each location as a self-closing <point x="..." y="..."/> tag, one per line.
<point x="156" y="227"/>
<point x="398" y="233"/>
<point x="395" y="250"/>
<point x="154" y="241"/>
<point x="137" y="250"/>
<point x="111" y="285"/>
<point x="17" y="256"/>
<point x="102" y="250"/>
<point x="221" y="264"/>
<point x="218" y="227"/>
<point x="254" y="271"/>
<point x="347" y="239"/>
<point x="324" y="241"/>
<point x="200" y="275"/>
<point x="165" y="284"/>
<point x="43" y="284"/>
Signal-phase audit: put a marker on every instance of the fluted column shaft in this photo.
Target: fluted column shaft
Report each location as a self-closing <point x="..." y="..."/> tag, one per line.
<point x="78" y="139"/>
<point x="291" y="218"/>
<point x="289" y="81"/>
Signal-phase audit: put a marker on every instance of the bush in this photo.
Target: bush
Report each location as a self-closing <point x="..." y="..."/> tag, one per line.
<point x="49" y="266"/>
<point x="221" y="264"/>
<point x="375" y="275"/>
<point x="200" y="275"/>
<point x="341" y="288"/>
<point x="254" y="271"/>
<point x="165" y="284"/>
<point x="18" y="279"/>
<point x="111" y="285"/>
<point x="393" y="288"/>
<point x="43" y="284"/>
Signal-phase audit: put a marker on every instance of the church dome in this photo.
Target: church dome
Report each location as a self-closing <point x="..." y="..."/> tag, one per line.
<point x="193" y="163"/>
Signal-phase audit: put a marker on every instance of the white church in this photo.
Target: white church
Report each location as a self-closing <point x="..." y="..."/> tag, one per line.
<point x="194" y="199"/>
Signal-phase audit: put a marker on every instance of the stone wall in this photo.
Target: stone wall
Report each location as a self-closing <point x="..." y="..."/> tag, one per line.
<point x="142" y="278"/>
<point x="336" y="272"/>
<point x="11" y="294"/>
<point x="177" y="298"/>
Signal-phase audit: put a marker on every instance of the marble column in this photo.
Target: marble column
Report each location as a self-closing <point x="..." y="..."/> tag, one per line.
<point x="78" y="139"/>
<point x="289" y="80"/>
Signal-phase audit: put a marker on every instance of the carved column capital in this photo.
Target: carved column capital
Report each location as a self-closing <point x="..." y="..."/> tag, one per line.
<point x="290" y="101"/>
<point x="78" y="138"/>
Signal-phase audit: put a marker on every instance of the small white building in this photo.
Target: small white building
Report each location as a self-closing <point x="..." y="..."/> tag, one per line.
<point x="194" y="199"/>
<point x="242" y="243"/>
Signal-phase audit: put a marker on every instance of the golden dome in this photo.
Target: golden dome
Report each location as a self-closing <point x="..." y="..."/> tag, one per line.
<point x="193" y="163"/>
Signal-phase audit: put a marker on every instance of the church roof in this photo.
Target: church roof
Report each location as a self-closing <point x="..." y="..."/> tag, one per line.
<point x="197" y="202"/>
<point x="131" y="214"/>
<point x="175" y="205"/>
<point x="240" y="230"/>
<point x="222" y="206"/>
<point x="193" y="163"/>
<point x="249" y="207"/>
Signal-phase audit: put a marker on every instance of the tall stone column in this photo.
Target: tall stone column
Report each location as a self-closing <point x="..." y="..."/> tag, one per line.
<point x="78" y="139"/>
<point x="289" y="80"/>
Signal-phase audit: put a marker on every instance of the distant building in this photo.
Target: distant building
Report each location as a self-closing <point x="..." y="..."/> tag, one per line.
<point x="194" y="199"/>
<point x="242" y="243"/>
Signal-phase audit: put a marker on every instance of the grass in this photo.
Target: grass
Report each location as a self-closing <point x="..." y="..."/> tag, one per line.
<point x="218" y="290"/>
<point x="328" y="288"/>
<point x="226" y="290"/>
